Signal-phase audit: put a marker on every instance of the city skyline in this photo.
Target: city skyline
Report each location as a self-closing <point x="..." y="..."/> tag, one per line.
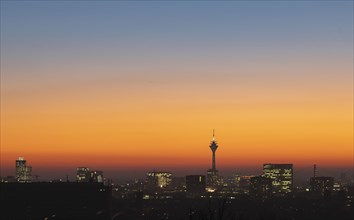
<point x="137" y="86"/>
<point x="213" y="177"/>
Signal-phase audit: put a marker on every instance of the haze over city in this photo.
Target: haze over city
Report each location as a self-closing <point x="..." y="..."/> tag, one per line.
<point x="129" y="87"/>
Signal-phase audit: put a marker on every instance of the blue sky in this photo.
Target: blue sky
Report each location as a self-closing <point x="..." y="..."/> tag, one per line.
<point x="173" y="28"/>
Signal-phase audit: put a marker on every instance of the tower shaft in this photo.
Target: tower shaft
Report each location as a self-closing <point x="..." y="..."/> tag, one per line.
<point x="213" y="165"/>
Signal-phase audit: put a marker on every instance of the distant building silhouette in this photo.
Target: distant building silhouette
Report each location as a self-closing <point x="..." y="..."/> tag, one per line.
<point x="195" y="185"/>
<point x="178" y="183"/>
<point x="213" y="179"/>
<point x="84" y="175"/>
<point x="281" y="176"/>
<point x="8" y="179"/>
<point x="314" y="170"/>
<point x="321" y="185"/>
<point x="96" y="176"/>
<point x="23" y="172"/>
<point x="260" y="187"/>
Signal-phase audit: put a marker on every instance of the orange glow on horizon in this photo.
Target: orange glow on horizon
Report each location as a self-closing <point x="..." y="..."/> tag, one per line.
<point x="169" y="122"/>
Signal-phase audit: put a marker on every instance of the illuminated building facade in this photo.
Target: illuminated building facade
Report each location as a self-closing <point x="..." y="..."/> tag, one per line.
<point x="260" y="187"/>
<point x="158" y="179"/>
<point x="23" y="172"/>
<point x="281" y="176"/>
<point x="213" y="179"/>
<point x="96" y="176"/>
<point x="83" y="174"/>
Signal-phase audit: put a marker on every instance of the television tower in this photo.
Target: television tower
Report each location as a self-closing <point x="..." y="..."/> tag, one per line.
<point x="213" y="147"/>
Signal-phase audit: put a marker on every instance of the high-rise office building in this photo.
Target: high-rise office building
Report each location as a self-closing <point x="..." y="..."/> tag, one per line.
<point x="83" y="174"/>
<point x="96" y="176"/>
<point x="281" y="176"/>
<point x="158" y="179"/>
<point x="195" y="185"/>
<point x="23" y="172"/>
<point x="212" y="174"/>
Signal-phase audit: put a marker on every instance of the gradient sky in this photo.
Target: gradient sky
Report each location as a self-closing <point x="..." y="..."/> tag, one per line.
<point x="140" y="85"/>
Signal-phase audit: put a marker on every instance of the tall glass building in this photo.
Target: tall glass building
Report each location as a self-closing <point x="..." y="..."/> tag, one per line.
<point x="281" y="176"/>
<point x="23" y="172"/>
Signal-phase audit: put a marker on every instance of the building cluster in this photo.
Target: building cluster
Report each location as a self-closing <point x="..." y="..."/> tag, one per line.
<point x="156" y="180"/>
<point x="276" y="180"/>
<point x="85" y="175"/>
<point x="161" y="195"/>
<point x="24" y="174"/>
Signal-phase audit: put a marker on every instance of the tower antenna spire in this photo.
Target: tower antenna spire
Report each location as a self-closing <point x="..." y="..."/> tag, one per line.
<point x="213" y="134"/>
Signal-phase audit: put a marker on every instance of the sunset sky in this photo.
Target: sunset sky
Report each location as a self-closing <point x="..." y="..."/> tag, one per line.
<point x="141" y="85"/>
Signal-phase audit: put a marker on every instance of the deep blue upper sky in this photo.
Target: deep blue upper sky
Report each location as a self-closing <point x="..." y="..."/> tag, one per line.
<point x="65" y="30"/>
